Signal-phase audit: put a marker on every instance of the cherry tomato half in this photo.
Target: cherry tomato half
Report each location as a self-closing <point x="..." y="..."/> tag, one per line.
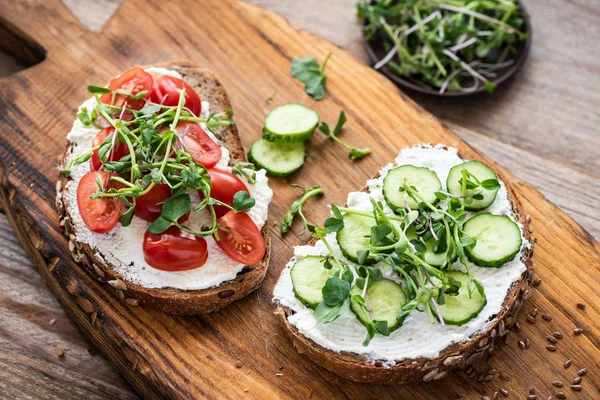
<point x="119" y="151"/>
<point x="244" y="243"/>
<point x="166" y="90"/>
<point x="174" y="250"/>
<point x="195" y="141"/>
<point x="134" y="80"/>
<point x="224" y="186"/>
<point x="149" y="206"/>
<point x="100" y="215"/>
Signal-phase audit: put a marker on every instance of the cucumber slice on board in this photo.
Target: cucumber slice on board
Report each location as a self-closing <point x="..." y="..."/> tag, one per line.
<point x="423" y="179"/>
<point x="430" y="257"/>
<point x="498" y="240"/>
<point x="481" y="172"/>
<point x="290" y="123"/>
<point x="308" y="278"/>
<point x="355" y="236"/>
<point x="386" y="298"/>
<point x="460" y="309"/>
<point x="278" y="159"/>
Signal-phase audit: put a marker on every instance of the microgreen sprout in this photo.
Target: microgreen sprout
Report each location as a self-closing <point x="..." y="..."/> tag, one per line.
<point x="308" y="71"/>
<point x="355" y="153"/>
<point x="296" y="209"/>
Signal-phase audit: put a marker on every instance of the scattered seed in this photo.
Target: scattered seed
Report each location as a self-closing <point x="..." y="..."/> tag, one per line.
<point x="582" y="372"/>
<point x="278" y="374"/>
<point x="238" y="364"/>
<point x="535" y="312"/>
<point x="557" y="335"/>
<point x="547" y="317"/>
<point x="60" y="352"/>
<point x="527" y="343"/>
<point x="522" y="344"/>
<point x="537" y="282"/>
<point x="495" y="396"/>
<point x="531" y="319"/>
<point x="532" y="397"/>
<point x="506" y="339"/>
<point x="504" y="377"/>
<point x="549" y="398"/>
<point x="578" y="331"/>
<point x="568" y="363"/>
<point x="518" y="327"/>
<point x="577" y="381"/>
<point x="557" y="383"/>
<point x="492" y="371"/>
<point x="576" y="388"/>
<point x="488" y="378"/>
<point x="52" y="321"/>
<point x="561" y="396"/>
<point x="245" y="390"/>
<point x="552" y="339"/>
<point x="551" y="348"/>
<point x="485" y="398"/>
<point x="532" y="391"/>
<point x="581" y="306"/>
<point x="504" y="392"/>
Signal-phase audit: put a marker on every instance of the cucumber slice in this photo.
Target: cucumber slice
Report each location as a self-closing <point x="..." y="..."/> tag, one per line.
<point x="498" y="240"/>
<point x="355" y="236"/>
<point x="386" y="298"/>
<point x="481" y="172"/>
<point x="430" y="257"/>
<point x="278" y="159"/>
<point x="308" y="278"/>
<point x="460" y="309"/>
<point x="423" y="179"/>
<point x="290" y="123"/>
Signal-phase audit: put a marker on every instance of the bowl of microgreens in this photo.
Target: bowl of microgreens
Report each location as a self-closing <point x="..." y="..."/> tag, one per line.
<point x="446" y="47"/>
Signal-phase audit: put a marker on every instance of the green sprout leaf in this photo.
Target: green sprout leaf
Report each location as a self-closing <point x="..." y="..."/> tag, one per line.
<point x="242" y="202"/>
<point x="98" y="89"/>
<point x="308" y="71"/>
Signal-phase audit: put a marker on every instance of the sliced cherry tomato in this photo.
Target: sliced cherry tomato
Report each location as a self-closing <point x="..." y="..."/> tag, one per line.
<point x="244" y="242"/>
<point x="100" y="215"/>
<point x="134" y="80"/>
<point x="166" y="90"/>
<point x="149" y="206"/>
<point x="120" y="149"/>
<point x="174" y="250"/>
<point x="224" y="186"/>
<point x="195" y="141"/>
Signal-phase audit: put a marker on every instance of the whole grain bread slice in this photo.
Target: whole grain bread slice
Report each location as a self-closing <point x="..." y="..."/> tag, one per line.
<point x="174" y="301"/>
<point x="356" y="368"/>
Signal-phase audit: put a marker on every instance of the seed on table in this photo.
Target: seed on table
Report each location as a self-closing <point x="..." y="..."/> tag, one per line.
<point x="504" y="377"/>
<point x="568" y="363"/>
<point x="504" y="392"/>
<point x="557" y="335"/>
<point x="537" y="282"/>
<point x="582" y="372"/>
<point x="60" y="352"/>
<point x="531" y="319"/>
<point x="506" y="339"/>
<point x="532" y="391"/>
<point x="535" y="311"/>
<point x="238" y="364"/>
<point x="577" y="381"/>
<point x="581" y="306"/>
<point x="552" y="339"/>
<point x="561" y="396"/>
<point x="527" y="343"/>
<point x="557" y="383"/>
<point x="578" y="331"/>
<point x="532" y="397"/>
<point x="576" y="388"/>
<point x="485" y="398"/>
<point x="522" y="344"/>
<point x="495" y="396"/>
<point x="551" y="348"/>
<point x="488" y="377"/>
<point x="547" y="317"/>
<point x="518" y="327"/>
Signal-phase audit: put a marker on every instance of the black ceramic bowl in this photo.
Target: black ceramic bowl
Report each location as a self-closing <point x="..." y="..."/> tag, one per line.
<point x="376" y="52"/>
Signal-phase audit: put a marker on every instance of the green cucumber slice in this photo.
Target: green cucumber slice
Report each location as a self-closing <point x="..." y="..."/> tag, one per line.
<point x="308" y="278"/>
<point x="290" y="123"/>
<point x="481" y="172"/>
<point x="460" y="309"/>
<point x="423" y="179"/>
<point x="278" y="159"/>
<point x="498" y="240"/>
<point x="430" y="257"/>
<point x="355" y="236"/>
<point x="386" y="298"/>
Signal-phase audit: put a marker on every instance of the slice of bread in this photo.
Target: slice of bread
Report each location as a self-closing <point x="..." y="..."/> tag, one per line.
<point x="174" y="301"/>
<point x="355" y="367"/>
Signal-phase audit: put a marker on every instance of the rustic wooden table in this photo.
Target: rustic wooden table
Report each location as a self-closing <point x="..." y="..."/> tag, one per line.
<point x="543" y="127"/>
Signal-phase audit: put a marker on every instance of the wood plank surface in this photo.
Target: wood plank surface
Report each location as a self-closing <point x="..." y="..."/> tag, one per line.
<point x="533" y="169"/>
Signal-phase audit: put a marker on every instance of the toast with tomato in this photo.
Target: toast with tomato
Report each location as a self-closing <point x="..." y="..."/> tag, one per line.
<point x="156" y="197"/>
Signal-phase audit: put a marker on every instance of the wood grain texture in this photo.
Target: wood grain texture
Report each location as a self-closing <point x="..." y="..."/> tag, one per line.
<point x="200" y="353"/>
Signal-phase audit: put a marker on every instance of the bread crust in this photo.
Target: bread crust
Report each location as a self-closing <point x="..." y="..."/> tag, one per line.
<point x="356" y="368"/>
<point x="174" y="301"/>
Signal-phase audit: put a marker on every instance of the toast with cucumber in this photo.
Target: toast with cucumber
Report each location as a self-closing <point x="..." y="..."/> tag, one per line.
<point x="156" y="196"/>
<point x="421" y="272"/>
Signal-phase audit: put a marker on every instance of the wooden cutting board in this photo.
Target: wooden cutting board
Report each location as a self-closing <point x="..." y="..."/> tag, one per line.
<point x="250" y="50"/>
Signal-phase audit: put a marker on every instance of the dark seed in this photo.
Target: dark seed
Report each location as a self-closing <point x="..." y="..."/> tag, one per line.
<point x="576" y="388"/>
<point x="549" y="398"/>
<point x="504" y="392"/>
<point x="551" y="348"/>
<point x="581" y="306"/>
<point x="535" y="311"/>
<point x="557" y="383"/>
<point x="561" y="396"/>
<point x="547" y="317"/>
<point x="568" y="363"/>
<point x="485" y="398"/>
<point x="238" y="364"/>
<point x="492" y="371"/>
<point x="532" y="397"/>
<point x="522" y="344"/>
<point x="552" y="339"/>
<point x="506" y="339"/>
<point x="578" y="331"/>
<point x="504" y="377"/>
<point x="557" y="335"/>
<point x="537" y="282"/>
<point x="527" y="343"/>
<point x="577" y="381"/>
<point x="531" y="391"/>
<point x="495" y="396"/>
<point x="531" y="319"/>
<point x="488" y="377"/>
<point x="582" y="372"/>
<point x="518" y="327"/>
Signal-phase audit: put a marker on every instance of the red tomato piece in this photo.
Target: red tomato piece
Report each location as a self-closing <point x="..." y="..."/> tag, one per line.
<point x="198" y="144"/>
<point x="174" y="250"/>
<point x="244" y="242"/>
<point x="224" y="186"/>
<point x="134" y="80"/>
<point x="149" y="206"/>
<point x="100" y="215"/>
<point x="120" y="150"/>
<point x="167" y="89"/>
